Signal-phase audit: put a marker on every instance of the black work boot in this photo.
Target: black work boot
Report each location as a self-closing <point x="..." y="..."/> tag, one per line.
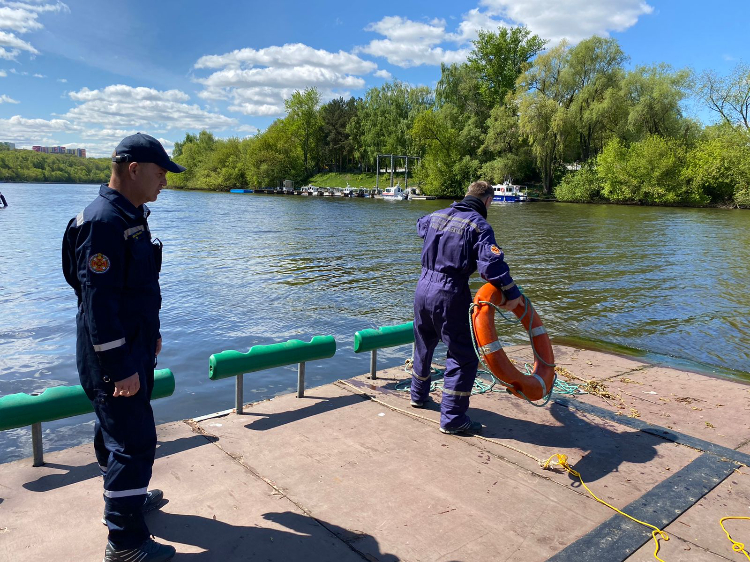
<point x="468" y="428"/>
<point x="152" y="502"/>
<point x="149" y="551"/>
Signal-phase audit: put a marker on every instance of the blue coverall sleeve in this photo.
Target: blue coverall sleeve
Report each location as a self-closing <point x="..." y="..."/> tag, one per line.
<point x="101" y="272"/>
<point x="422" y="225"/>
<point x="491" y="264"/>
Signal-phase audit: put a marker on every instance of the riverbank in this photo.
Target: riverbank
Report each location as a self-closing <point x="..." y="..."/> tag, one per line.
<point x="351" y="472"/>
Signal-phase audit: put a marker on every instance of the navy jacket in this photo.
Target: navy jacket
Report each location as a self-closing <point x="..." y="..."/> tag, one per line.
<point x="459" y="241"/>
<point x="109" y="260"/>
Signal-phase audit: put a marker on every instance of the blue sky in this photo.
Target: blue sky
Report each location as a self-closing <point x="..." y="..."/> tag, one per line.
<point x="85" y="73"/>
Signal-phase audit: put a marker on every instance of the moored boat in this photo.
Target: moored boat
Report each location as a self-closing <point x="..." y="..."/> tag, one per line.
<point x="507" y="192"/>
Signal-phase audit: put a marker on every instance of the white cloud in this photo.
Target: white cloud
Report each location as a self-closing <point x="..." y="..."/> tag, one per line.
<point x="247" y="129"/>
<point x="63" y="80"/>
<point x="20" y="18"/>
<point x="408" y="43"/>
<point x="397" y="28"/>
<point x="28" y="132"/>
<point x="121" y="107"/>
<point x="7" y="99"/>
<point x="3" y="74"/>
<point x="301" y="77"/>
<point x="291" y="55"/>
<point x="256" y="82"/>
<point x="15" y="44"/>
<point x="382" y="73"/>
<point x="39" y="76"/>
<point x="123" y="93"/>
<point x="474" y="21"/>
<point x="570" y="19"/>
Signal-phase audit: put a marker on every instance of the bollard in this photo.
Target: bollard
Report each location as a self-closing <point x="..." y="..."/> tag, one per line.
<point x="301" y="380"/>
<point x="374" y="364"/>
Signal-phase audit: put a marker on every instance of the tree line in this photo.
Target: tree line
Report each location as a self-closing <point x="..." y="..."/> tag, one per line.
<point x="570" y="118"/>
<point x="36" y="167"/>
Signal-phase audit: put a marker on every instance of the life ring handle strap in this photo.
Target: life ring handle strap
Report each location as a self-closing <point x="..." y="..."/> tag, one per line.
<point x="527" y="307"/>
<point x="533" y="332"/>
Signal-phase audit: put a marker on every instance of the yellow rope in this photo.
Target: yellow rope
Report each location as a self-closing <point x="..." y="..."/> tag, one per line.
<point x="736" y="546"/>
<point x="562" y="460"/>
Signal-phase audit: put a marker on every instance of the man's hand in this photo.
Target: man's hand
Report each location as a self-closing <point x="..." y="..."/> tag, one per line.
<point x="158" y="346"/>
<point x="510" y="305"/>
<point x="127" y="387"/>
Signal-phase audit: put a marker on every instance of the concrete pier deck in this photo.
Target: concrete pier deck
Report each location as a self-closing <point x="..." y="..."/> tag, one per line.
<point x="351" y="472"/>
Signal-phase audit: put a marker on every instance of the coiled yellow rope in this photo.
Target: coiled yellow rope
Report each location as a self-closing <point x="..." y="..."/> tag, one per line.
<point x="736" y="546"/>
<point x="562" y="460"/>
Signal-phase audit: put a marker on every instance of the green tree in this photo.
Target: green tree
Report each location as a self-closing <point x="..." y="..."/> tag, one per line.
<point x="446" y="169"/>
<point x="499" y="58"/>
<point x="648" y="171"/>
<point x="543" y="100"/>
<point x="728" y="96"/>
<point x="654" y="95"/>
<point x="303" y="117"/>
<point x="719" y="166"/>
<point x="338" y="148"/>
<point x="589" y="79"/>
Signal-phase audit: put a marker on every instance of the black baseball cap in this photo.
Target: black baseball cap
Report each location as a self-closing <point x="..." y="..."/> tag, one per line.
<point x="145" y="148"/>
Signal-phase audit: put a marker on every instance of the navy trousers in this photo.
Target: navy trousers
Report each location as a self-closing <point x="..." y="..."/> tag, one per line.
<point x="124" y="443"/>
<point x="441" y="313"/>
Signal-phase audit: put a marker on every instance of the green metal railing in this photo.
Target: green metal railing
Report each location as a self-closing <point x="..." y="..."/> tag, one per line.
<point x="386" y="336"/>
<point x="20" y="410"/>
<point x="259" y="357"/>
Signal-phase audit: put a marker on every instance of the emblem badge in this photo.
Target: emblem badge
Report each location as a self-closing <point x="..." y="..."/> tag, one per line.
<point x="99" y="263"/>
<point x="496" y="250"/>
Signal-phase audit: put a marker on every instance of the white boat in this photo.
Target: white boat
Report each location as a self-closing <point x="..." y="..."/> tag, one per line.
<point x="315" y="191"/>
<point x="507" y="192"/>
<point x="394" y="193"/>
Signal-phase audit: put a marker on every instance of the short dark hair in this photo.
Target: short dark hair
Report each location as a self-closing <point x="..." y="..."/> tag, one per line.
<point x="480" y="189"/>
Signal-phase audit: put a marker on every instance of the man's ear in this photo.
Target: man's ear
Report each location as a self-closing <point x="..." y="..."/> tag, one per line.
<point x="133" y="169"/>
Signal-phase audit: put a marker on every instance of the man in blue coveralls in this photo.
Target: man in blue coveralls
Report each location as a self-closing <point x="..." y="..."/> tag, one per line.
<point x="457" y="242"/>
<point x="112" y="264"/>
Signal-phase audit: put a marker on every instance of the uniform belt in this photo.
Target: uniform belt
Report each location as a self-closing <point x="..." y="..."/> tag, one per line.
<point x="443" y="278"/>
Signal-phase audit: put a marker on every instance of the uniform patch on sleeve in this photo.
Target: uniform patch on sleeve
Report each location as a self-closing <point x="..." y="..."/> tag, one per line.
<point x="99" y="263"/>
<point x="496" y="250"/>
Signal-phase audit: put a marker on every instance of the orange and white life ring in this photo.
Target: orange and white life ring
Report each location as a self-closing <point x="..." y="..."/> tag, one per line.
<point x="533" y="387"/>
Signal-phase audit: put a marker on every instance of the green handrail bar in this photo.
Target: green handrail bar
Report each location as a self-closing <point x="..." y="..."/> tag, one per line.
<point x="385" y="336"/>
<point x="232" y="363"/>
<point x="20" y="410"/>
<point x="236" y="363"/>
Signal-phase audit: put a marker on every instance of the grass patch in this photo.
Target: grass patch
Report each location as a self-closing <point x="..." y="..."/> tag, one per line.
<point x="340" y="180"/>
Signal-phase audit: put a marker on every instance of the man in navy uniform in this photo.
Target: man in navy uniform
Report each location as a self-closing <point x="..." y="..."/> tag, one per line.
<point x="457" y="242"/>
<point x="113" y="265"/>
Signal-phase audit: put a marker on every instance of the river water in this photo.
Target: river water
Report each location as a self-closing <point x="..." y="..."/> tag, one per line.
<point x="247" y="269"/>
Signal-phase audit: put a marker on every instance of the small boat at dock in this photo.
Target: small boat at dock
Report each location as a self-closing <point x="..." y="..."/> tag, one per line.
<point x="507" y="192"/>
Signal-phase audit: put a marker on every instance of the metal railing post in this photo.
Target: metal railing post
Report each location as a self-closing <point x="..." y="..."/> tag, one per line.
<point x="301" y="380"/>
<point x="374" y="364"/>
<point x="238" y="393"/>
<point x="36" y="443"/>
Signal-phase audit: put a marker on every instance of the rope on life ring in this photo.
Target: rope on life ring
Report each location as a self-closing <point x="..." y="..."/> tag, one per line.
<point x="532" y="386"/>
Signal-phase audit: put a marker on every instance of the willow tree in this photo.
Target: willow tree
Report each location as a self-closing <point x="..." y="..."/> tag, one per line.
<point x="543" y="100"/>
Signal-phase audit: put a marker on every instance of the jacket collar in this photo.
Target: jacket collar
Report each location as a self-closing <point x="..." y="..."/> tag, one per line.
<point x="471" y="203"/>
<point x="122" y="203"/>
